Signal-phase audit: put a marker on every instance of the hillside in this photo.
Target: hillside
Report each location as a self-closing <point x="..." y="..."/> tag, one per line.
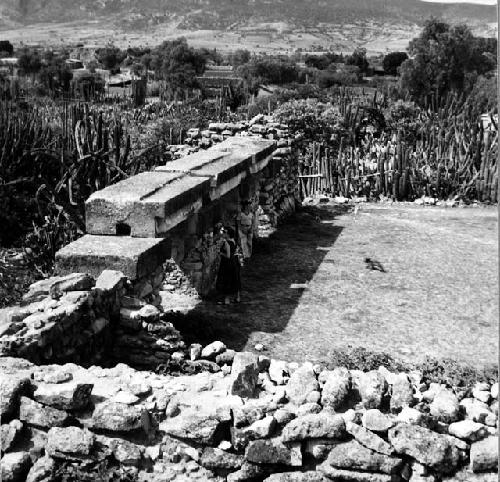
<point x="281" y="24"/>
<point x="211" y="14"/>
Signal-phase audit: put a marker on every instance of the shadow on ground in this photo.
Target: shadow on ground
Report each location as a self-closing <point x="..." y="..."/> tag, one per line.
<point x="290" y="256"/>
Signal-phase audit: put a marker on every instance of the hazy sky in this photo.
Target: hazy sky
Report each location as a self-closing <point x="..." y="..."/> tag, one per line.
<point x="485" y="2"/>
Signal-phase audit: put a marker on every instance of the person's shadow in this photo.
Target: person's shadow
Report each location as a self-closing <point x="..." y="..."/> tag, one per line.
<point x="273" y="281"/>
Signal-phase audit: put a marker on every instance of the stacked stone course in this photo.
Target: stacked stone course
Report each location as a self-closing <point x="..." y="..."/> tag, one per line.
<point x="255" y="419"/>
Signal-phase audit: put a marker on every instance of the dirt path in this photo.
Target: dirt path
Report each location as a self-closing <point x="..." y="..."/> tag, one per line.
<point x="438" y="296"/>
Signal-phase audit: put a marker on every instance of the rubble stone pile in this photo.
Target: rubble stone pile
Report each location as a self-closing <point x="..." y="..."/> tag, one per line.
<point x="255" y="419"/>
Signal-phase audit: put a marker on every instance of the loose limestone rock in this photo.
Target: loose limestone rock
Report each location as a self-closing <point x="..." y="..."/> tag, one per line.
<point x="11" y="388"/>
<point x="117" y="417"/>
<point x="376" y="421"/>
<point x="244" y="375"/>
<point x="336" y="388"/>
<point x="197" y="427"/>
<point x="14" y="466"/>
<point x="278" y="371"/>
<point x="217" y="459"/>
<point x="310" y="476"/>
<point x="484" y="455"/>
<point x="368" y="439"/>
<point x="372" y="388"/>
<point x="427" y="447"/>
<point x="38" y="415"/>
<point x="341" y="475"/>
<point x="468" y="430"/>
<point x="273" y="451"/>
<point x="42" y="470"/>
<point x="71" y="443"/>
<point x="302" y="382"/>
<point x="213" y="349"/>
<point x="9" y="434"/>
<point x="321" y="425"/>
<point x="354" y="456"/>
<point x="445" y="406"/>
<point x="401" y="392"/>
<point x="64" y="396"/>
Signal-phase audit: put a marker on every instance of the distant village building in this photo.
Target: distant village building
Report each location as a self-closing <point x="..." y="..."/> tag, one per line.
<point x="218" y="78"/>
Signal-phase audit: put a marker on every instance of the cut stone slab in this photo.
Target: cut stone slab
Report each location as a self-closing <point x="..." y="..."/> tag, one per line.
<point x="321" y="425"/>
<point x="134" y="257"/>
<point x="143" y="201"/>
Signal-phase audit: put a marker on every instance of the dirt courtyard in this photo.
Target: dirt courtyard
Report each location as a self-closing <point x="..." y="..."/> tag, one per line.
<point x="438" y="295"/>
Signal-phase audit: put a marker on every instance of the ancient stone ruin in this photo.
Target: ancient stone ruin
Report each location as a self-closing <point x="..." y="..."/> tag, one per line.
<point x="72" y="408"/>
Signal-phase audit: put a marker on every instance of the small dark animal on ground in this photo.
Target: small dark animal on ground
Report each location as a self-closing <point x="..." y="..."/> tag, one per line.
<point x="375" y="265"/>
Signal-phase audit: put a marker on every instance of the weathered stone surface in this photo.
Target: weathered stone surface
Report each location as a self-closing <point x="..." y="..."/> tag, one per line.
<point x="213" y="349"/>
<point x="273" y="451"/>
<point x="126" y="452"/>
<point x="468" y="430"/>
<point x="445" y="406"/>
<point x="484" y="455"/>
<point x="310" y="476"/>
<point x="475" y="409"/>
<point x="249" y="472"/>
<point x="134" y="257"/>
<point x="320" y="425"/>
<point x="197" y="427"/>
<point x="308" y="408"/>
<point x="9" y="434"/>
<point x="36" y="414"/>
<point x="262" y="428"/>
<point x="110" y="280"/>
<point x="278" y="371"/>
<point x="341" y="475"/>
<point x="249" y="413"/>
<point x="42" y="471"/>
<point x="401" y="392"/>
<point x="14" y="466"/>
<point x="336" y="388"/>
<point x="225" y="358"/>
<point x="494" y="390"/>
<point x="283" y="416"/>
<point x="11" y="388"/>
<point x="244" y="375"/>
<point x="410" y="415"/>
<point x="53" y="376"/>
<point x="302" y="382"/>
<point x="319" y="448"/>
<point x="117" y="417"/>
<point x="214" y="458"/>
<point x="65" y="396"/>
<point x="466" y="475"/>
<point x="376" y="421"/>
<point x="372" y="387"/>
<point x="70" y="443"/>
<point x="427" y="447"/>
<point x="354" y="456"/>
<point x="369" y="439"/>
<point x="71" y="282"/>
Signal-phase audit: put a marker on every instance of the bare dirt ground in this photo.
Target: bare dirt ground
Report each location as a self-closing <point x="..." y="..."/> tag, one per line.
<point x="438" y="296"/>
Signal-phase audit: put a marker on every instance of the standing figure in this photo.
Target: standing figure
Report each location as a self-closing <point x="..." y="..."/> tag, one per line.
<point x="228" y="278"/>
<point x="246" y="227"/>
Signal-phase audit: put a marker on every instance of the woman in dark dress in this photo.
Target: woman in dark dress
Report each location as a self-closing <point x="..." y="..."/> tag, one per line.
<point x="228" y="278"/>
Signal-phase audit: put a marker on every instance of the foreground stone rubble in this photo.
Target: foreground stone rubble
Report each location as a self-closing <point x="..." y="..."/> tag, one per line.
<point x="254" y="419"/>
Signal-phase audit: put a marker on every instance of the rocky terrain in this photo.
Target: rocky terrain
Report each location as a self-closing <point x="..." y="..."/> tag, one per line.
<point x="254" y="419"/>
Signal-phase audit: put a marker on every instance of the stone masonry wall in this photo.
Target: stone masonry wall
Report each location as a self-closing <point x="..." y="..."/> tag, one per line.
<point x="254" y="419"/>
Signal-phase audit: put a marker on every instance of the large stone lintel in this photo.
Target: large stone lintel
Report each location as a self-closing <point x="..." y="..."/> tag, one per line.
<point x="134" y="257"/>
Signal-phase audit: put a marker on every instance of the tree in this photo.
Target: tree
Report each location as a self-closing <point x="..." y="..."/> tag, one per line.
<point x="177" y="63"/>
<point x="29" y="61"/>
<point x="444" y="59"/>
<point x="358" y="59"/>
<point x="110" y="57"/>
<point x="393" y="61"/>
<point x="239" y="57"/>
<point x="6" y="48"/>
